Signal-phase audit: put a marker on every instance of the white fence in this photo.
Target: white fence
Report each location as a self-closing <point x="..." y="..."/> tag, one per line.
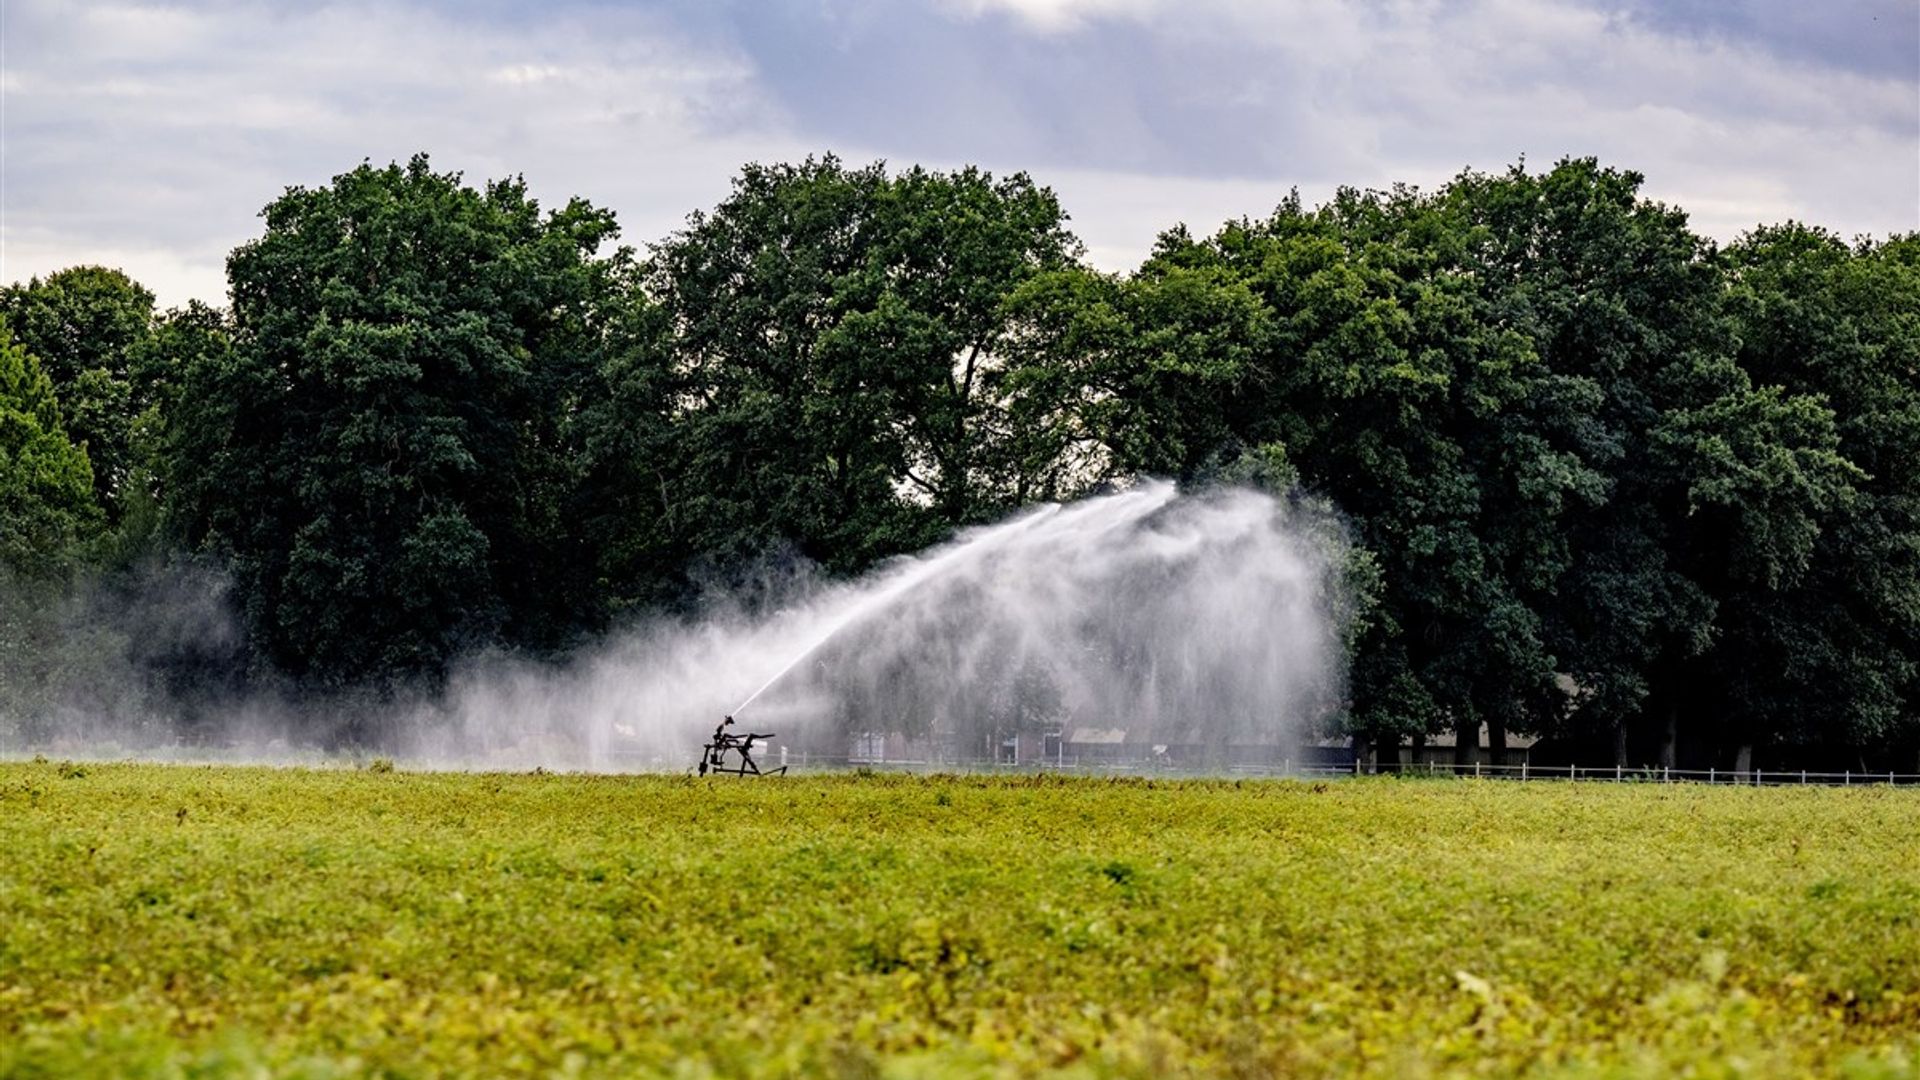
<point x="1653" y="775"/>
<point x="1285" y="769"/>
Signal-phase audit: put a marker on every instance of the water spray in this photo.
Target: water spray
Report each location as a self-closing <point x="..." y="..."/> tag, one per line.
<point x="714" y="753"/>
<point x="1207" y="624"/>
<point x="1204" y="622"/>
<point x="915" y="573"/>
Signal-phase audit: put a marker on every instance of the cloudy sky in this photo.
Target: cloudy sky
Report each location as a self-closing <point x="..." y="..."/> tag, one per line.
<point x="149" y="135"/>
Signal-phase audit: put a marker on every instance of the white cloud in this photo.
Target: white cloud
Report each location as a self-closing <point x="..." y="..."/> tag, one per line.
<point x="154" y="133"/>
<point x="1119" y="217"/>
<point x="161" y="157"/>
<point x="1054" y="16"/>
<point x="189" y="274"/>
<point x="1414" y="90"/>
<point x="529" y="74"/>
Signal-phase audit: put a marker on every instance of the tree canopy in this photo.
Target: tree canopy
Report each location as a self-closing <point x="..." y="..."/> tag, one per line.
<point x="46" y="482"/>
<point x="834" y="340"/>
<point x="91" y="327"/>
<point x="385" y="452"/>
<point x="1605" y="482"/>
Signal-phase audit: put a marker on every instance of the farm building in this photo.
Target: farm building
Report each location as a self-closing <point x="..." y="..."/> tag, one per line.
<point x="1442" y="749"/>
<point x="1084" y="746"/>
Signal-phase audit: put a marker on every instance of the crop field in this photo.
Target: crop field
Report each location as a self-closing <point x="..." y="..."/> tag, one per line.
<point x="167" y="921"/>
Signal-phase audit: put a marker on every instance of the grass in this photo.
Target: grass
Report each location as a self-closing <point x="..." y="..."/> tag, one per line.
<point x="172" y="921"/>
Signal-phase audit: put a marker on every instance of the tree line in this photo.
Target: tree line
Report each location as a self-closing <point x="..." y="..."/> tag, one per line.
<point x="1606" y="481"/>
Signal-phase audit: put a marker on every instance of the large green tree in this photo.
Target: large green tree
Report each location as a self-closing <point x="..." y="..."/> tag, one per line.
<point x="833" y="351"/>
<point x="1342" y="340"/>
<point x="92" y="329"/>
<point x="1148" y="373"/>
<point x="1831" y="660"/>
<point x="1521" y="390"/>
<point x="1715" y="486"/>
<point x="47" y="519"/>
<point x="46" y="482"/>
<point x="387" y="452"/>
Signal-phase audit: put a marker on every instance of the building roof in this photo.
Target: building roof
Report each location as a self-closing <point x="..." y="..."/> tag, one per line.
<point x="1514" y="742"/>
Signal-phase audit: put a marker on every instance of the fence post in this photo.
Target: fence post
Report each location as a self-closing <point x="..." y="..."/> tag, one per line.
<point x="1803" y="776"/>
<point x="1666" y="773"/>
<point x="1710" y="778"/>
<point x="1616" y="770"/>
<point x="1849" y="780"/>
<point x="1476" y="767"/>
<point x="1756" y="776"/>
<point x="1523" y="768"/>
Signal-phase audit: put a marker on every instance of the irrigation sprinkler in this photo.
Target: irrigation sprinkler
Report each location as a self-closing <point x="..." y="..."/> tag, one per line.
<point x="713" y="756"/>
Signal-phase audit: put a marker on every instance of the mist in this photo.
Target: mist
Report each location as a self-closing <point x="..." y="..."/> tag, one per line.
<point x="1203" y="624"/>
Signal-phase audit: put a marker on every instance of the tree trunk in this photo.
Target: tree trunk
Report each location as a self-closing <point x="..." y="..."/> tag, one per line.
<point x="1419" y="754"/>
<point x="1670" y="738"/>
<point x="1496" y="741"/>
<point x="1386" y="750"/>
<point x="1620" y="743"/>
<point x="1743" y="760"/>
<point x="1466" y="744"/>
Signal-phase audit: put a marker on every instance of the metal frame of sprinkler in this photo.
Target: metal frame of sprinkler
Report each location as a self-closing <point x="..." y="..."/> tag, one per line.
<point x="713" y="756"/>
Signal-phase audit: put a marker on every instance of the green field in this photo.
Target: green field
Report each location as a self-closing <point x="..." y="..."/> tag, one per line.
<point x="178" y="921"/>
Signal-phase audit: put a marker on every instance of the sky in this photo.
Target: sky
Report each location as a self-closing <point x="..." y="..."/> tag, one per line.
<point x="148" y="136"/>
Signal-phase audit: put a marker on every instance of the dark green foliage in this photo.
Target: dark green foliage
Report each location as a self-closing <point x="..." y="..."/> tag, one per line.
<point x="830" y="366"/>
<point x="1715" y="486"/>
<point x="1127" y="376"/>
<point x="1368" y="358"/>
<point x="91" y="328"/>
<point x="46" y="482"/>
<point x="1586" y="510"/>
<point x="47" y="517"/>
<point x="1838" y="647"/>
<point x="386" y="451"/>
